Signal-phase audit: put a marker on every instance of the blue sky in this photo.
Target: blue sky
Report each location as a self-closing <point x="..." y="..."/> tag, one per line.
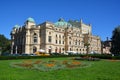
<point x="104" y="15"/>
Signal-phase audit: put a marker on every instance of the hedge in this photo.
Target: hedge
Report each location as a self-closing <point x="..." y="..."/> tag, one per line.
<point x="34" y="57"/>
<point x="101" y="56"/>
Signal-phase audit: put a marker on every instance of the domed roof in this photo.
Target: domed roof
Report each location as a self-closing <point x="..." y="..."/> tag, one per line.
<point x="61" y="23"/>
<point x="16" y="27"/>
<point x="30" y="19"/>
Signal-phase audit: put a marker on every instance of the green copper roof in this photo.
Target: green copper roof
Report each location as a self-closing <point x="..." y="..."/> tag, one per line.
<point x="74" y="23"/>
<point x="62" y="23"/>
<point x="30" y="19"/>
<point x="16" y="27"/>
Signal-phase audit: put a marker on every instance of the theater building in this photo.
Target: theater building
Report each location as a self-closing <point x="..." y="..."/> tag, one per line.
<point x="58" y="37"/>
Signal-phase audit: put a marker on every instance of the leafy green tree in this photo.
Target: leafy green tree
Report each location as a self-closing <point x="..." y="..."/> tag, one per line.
<point x="115" y="49"/>
<point x="87" y="47"/>
<point x="4" y="44"/>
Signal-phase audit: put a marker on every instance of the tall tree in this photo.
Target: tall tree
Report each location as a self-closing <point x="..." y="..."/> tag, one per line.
<point x="115" y="49"/>
<point x="4" y="44"/>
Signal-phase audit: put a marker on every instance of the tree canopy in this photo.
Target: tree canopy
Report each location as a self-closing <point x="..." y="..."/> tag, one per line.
<point x="115" y="49"/>
<point x="4" y="44"/>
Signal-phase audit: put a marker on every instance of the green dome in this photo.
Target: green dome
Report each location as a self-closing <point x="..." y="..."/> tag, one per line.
<point x="16" y="27"/>
<point x="62" y="23"/>
<point x="30" y="19"/>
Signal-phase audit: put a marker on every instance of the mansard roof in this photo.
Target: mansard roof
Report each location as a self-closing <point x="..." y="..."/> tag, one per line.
<point x="74" y="23"/>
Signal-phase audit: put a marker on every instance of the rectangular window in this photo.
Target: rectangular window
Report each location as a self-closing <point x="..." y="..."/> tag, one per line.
<point x="59" y="41"/>
<point x="76" y="43"/>
<point x="56" y="41"/>
<point x="35" y="40"/>
<point x="59" y="36"/>
<point x="70" y="42"/>
<point x="49" y="38"/>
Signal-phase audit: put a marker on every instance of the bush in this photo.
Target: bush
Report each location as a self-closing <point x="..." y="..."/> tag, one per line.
<point x="101" y="56"/>
<point x="87" y="58"/>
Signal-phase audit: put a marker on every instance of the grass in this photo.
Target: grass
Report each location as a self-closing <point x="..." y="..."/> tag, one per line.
<point x="99" y="70"/>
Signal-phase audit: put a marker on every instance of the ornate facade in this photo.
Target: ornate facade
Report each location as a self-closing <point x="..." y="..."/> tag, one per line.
<point x="58" y="37"/>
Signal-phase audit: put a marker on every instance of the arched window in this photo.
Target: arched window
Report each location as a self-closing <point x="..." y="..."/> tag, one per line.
<point x="70" y="49"/>
<point x="34" y="49"/>
<point x="59" y="50"/>
<point x="77" y="50"/>
<point x="80" y="49"/>
<point x="50" y="49"/>
<point x="63" y="49"/>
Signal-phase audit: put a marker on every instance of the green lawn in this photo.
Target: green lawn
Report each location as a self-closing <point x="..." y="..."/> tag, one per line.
<point x="99" y="70"/>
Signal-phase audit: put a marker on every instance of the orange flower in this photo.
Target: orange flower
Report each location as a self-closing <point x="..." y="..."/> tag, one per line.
<point x="76" y="63"/>
<point x="50" y="65"/>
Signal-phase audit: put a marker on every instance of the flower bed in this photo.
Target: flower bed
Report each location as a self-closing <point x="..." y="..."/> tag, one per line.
<point x="49" y="65"/>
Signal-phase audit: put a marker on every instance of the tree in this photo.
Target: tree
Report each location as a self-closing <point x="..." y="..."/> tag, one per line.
<point x="4" y="44"/>
<point x="115" y="49"/>
<point x="87" y="47"/>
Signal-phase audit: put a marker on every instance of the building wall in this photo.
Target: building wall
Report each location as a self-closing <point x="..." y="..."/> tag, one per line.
<point x="51" y="38"/>
<point x="94" y="43"/>
<point x="106" y="46"/>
